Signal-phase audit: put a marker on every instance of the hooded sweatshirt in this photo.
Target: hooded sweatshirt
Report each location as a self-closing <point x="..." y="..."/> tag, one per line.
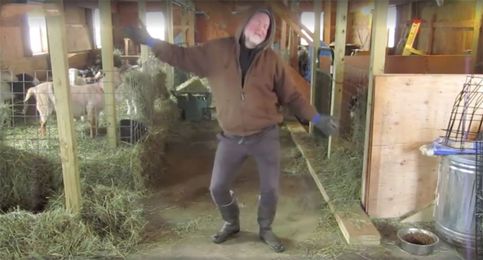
<point x="244" y="105"/>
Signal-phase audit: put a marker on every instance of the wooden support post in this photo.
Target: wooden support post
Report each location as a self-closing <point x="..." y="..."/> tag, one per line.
<point x="283" y="35"/>
<point x="315" y="57"/>
<point x="429" y="49"/>
<point x="169" y="38"/>
<point x="190" y="35"/>
<point x="65" y="122"/>
<point x="327" y="21"/>
<point x="477" y="42"/>
<point x="339" y="64"/>
<point x="376" y="67"/>
<point x="142" y="17"/>
<point x="108" y="68"/>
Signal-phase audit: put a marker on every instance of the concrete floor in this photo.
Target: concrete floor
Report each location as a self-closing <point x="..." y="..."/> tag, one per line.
<point x="182" y="216"/>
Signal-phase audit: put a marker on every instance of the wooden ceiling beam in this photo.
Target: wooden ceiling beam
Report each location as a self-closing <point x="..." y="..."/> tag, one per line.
<point x="283" y="12"/>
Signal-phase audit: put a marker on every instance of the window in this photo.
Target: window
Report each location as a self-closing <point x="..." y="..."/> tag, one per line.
<point x="308" y="19"/>
<point x="391" y="25"/>
<point x="37" y="34"/>
<point x="96" y="23"/>
<point x="155" y="24"/>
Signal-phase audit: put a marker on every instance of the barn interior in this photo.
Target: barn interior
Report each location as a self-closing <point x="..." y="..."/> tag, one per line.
<point x="128" y="175"/>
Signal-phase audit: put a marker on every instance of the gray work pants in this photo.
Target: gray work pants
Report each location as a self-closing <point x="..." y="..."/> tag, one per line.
<point x="232" y="151"/>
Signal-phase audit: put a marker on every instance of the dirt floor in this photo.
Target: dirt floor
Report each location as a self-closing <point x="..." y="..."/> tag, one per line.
<point x="182" y="216"/>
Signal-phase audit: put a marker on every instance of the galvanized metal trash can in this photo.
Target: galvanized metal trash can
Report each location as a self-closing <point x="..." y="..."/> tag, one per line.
<point x="454" y="211"/>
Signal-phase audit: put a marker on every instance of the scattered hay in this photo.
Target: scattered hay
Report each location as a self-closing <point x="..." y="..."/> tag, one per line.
<point x="327" y="242"/>
<point x="54" y="234"/>
<point x="115" y="215"/>
<point x="341" y="175"/>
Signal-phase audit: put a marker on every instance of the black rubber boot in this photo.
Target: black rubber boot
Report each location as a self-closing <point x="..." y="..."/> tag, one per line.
<point x="265" y="220"/>
<point x="230" y="214"/>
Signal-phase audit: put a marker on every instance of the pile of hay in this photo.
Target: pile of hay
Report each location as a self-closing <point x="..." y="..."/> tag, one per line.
<point x="26" y="179"/>
<point x="54" y="233"/>
<point x="110" y="224"/>
<point x="112" y="218"/>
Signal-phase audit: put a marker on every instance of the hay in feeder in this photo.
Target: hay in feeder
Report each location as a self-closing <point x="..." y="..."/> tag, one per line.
<point x="143" y="87"/>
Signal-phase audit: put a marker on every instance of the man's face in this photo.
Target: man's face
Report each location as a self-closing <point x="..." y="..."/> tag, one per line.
<point x="256" y="29"/>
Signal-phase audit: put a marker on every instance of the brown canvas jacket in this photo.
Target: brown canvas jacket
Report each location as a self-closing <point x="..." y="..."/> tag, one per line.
<point x="248" y="109"/>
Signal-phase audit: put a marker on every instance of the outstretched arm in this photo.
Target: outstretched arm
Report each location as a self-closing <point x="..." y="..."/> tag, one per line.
<point x="191" y="59"/>
<point x="290" y="96"/>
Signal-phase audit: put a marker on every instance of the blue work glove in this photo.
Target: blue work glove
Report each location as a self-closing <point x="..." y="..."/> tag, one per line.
<point x="140" y="35"/>
<point x="327" y="124"/>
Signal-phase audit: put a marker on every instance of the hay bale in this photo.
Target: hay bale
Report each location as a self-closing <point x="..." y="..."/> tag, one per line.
<point x="26" y="179"/>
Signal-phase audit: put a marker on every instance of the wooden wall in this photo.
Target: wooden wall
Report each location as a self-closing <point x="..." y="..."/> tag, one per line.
<point x="357" y="70"/>
<point x="14" y="52"/>
<point x="409" y="111"/>
<point x="445" y="30"/>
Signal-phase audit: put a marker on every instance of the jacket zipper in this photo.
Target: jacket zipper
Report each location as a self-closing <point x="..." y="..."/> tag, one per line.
<point x="244" y="80"/>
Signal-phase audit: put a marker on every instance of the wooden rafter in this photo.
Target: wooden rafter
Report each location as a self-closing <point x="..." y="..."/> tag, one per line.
<point x="283" y="12"/>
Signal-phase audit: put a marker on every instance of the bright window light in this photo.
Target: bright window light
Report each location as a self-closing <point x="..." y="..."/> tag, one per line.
<point x="391" y="25"/>
<point x="37" y="34"/>
<point x="155" y="24"/>
<point x="96" y="22"/>
<point x="308" y="19"/>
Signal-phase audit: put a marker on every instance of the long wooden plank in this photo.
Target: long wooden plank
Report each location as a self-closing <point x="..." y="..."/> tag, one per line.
<point x="356" y="227"/>
<point x="65" y="122"/>
<point x="108" y="68"/>
<point x="376" y="67"/>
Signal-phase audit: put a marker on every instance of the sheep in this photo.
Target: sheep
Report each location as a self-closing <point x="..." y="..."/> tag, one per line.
<point x="85" y="100"/>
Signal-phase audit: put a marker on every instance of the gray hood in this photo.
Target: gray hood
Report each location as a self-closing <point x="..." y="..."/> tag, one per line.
<point x="267" y="43"/>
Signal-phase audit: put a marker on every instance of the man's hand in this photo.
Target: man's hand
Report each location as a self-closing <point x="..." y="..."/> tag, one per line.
<point x="327" y="124"/>
<point x="138" y="34"/>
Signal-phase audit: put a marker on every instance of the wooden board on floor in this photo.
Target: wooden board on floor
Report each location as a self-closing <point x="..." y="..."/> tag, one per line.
<point x="409" y="111"/>
<point x="356" y="227"/>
